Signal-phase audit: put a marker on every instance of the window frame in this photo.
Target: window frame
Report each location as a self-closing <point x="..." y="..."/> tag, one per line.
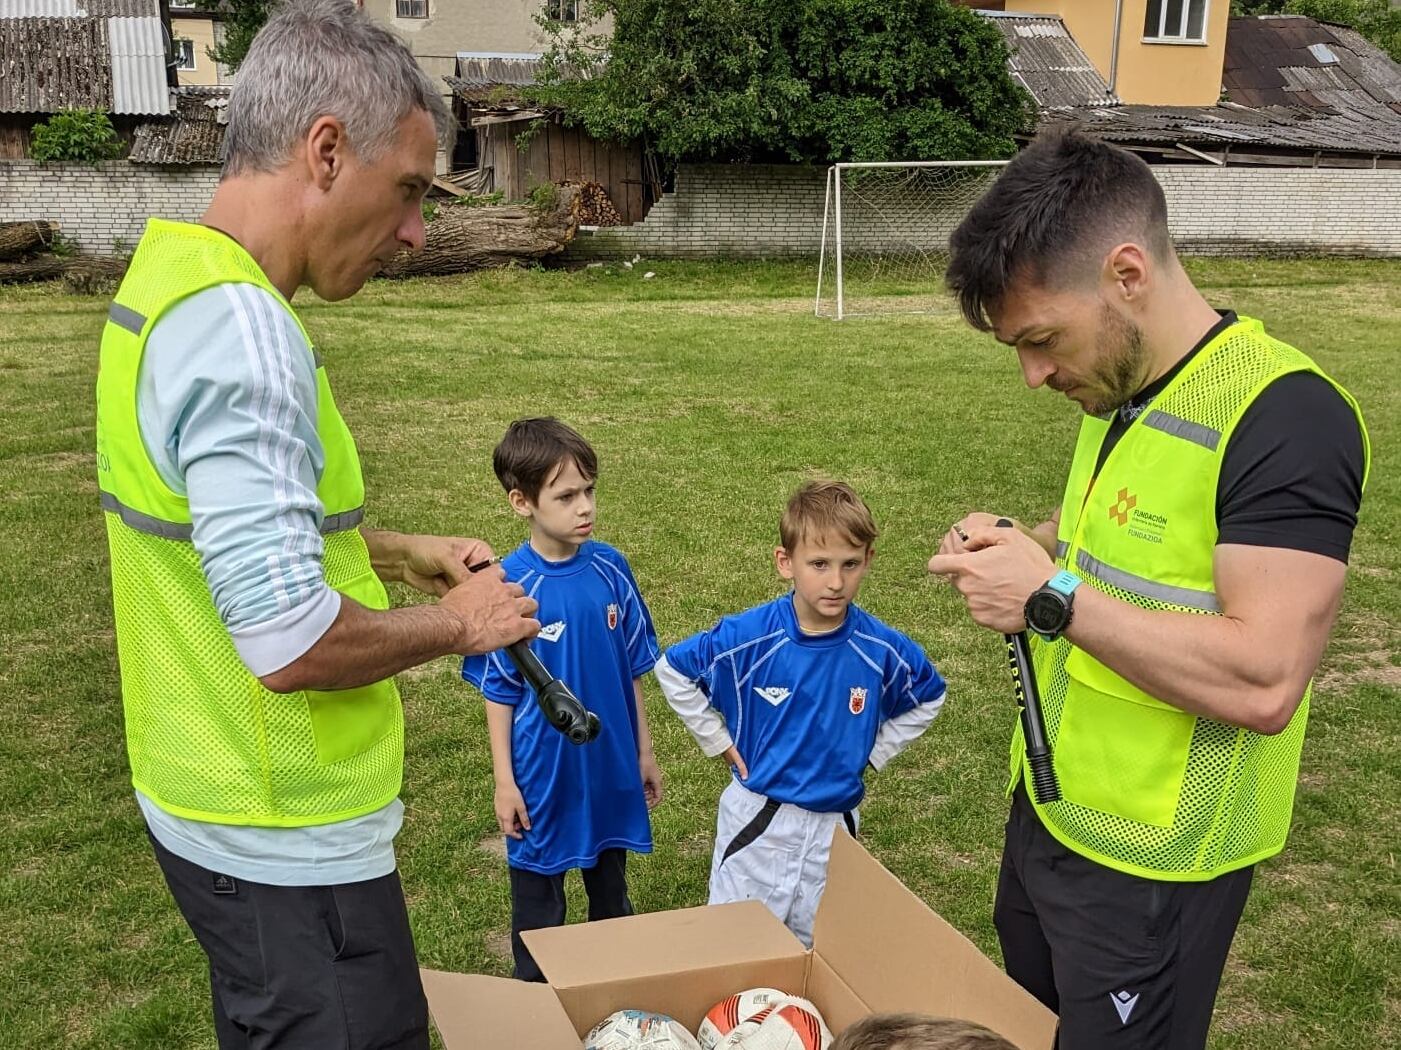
<point x="563" y="7"/>
<point x="179" y="45"/>
<point x="1162" y="36"/>
<point x="406" y="8"/>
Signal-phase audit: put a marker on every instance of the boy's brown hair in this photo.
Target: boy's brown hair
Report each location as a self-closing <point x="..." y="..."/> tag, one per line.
<point x="826" y="508"/>
<point x="533" y="449"/>
<point x="918" y="1032"/>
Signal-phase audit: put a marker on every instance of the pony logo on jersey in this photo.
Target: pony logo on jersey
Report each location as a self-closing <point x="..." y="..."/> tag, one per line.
<point x="774" y="694"/>
<point x="612" y="616"/>
<point x="551" y="632"/>
<point x="857" y="703"/>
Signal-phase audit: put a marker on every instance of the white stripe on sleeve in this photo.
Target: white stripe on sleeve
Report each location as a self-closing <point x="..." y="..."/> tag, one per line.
<point x="896" y="734"/>
<point x="702" y="721"/>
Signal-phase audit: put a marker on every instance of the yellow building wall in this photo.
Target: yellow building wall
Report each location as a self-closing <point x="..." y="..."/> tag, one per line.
<point x="1149" y="73"/>
<point x="201" y="31"/>
<point x="464" y="25"/>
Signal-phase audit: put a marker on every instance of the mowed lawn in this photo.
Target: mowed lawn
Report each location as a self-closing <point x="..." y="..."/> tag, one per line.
<point x="709" y="391"/>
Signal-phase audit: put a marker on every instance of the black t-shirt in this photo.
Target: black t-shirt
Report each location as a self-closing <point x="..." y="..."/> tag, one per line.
<point x="1292" y="472"/>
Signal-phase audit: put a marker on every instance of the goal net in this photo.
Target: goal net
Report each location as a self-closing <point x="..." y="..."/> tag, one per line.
<point x="885" y="233"/>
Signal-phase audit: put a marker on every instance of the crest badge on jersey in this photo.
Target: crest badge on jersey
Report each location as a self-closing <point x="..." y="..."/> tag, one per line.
<point x="857" y="704"/>
<point x="612" y="616"/>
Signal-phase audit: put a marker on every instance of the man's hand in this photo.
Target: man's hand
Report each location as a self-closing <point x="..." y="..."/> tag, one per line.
<point x="494" y="613"/>
<point x="431" y="564"/>
<point x="511" y="816"/>
<point x="955" y="540"/>
<point x="731" y="757"/>
<point x="651" y="778"/>
<point x="996" y="571"/>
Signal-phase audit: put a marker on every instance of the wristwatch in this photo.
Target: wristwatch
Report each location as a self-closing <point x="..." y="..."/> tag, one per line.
<point x="1051" y="606"/>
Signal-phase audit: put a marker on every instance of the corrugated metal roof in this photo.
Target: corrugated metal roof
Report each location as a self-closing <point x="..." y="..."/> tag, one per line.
<point x="1218" y="126"/>
<point x="47" y="64"/>
<point x="1048" y="62"/>
<point x="106" y="54"/>
<point x="194" y="135"/>
<point x="1292" y="82"/>
<point x="138" y="65"/>
<point x="481" y="73"/>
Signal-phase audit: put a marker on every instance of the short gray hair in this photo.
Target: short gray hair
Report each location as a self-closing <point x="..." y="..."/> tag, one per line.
<point x="318" y="58"/>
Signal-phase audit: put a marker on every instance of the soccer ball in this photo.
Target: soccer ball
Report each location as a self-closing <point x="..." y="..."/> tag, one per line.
<point x="639" y="1030"/>
<point x="790" y="1023"/>
<point x="724" y="1016"/>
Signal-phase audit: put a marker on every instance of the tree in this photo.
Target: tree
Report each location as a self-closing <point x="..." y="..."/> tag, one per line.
<point x="791" y="80"/>
<point x="242" y="19"/>
<point x="1377" y="20"/>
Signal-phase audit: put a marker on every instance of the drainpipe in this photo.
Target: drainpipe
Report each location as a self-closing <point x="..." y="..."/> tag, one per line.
<point x="1114" y="47"/>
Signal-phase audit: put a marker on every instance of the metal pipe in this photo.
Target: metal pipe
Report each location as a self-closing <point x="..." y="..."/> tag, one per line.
<point x="1114" y="47"/>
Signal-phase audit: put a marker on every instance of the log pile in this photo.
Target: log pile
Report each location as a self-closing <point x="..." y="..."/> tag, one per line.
<point x="596" y="207"/>
<point x="27" y="253"/>
<point x="462" y="239"/>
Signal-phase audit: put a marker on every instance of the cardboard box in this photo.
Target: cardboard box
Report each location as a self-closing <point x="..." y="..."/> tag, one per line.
<point x="876" y="948"/>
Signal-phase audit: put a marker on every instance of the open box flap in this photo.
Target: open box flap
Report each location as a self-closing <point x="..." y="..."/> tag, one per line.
<point x="662" y="942"/>
<point x="895" y="953"/>
<point x="472" y="1011"/>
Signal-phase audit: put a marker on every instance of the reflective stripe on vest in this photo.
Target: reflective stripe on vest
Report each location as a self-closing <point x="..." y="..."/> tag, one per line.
<point x="205" y="739"/>
<point x="1148" y="788"/>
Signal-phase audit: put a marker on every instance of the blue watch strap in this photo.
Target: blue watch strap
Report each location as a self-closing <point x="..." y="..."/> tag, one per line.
<point x="1064" y="582"/>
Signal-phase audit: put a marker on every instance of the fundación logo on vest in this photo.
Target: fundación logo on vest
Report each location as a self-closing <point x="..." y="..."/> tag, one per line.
<point x="1145" y="525"/>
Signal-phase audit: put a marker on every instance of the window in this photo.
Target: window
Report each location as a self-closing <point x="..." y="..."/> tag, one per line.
<point x="411" y="8"/>
<point x="562" y="10"/>
<point x="1183" y="20"/>
<point x="184" y="54"/>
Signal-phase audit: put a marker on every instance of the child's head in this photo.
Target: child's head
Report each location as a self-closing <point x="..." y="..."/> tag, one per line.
<point x="826" y="534"/>
<point x="918" y="1032"/>
<point x="548" y="472"/>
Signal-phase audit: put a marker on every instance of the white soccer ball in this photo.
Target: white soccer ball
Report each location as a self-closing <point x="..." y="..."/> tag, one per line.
<point x="790" y="1023"/>
<point x="722" y="1018"/>
<point x="639" y="1030"/>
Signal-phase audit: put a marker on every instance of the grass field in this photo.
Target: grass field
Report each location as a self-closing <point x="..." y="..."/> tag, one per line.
<point x="709" y="392"/>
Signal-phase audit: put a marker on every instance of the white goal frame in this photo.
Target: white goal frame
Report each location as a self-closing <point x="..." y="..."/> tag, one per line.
<point x="832" y="216"/>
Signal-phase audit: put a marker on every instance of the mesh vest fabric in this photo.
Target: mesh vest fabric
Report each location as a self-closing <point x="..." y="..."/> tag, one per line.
<point x="1147" y="788"/>
<point x="205" y="739"/>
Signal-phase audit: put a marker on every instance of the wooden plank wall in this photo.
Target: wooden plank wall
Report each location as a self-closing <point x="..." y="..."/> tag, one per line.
<point x="560" y="154"/>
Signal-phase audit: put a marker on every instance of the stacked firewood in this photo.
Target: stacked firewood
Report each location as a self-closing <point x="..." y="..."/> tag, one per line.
<point x="596" y="207"/>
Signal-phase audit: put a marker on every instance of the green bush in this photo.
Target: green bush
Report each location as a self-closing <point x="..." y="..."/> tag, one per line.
<point x="82" y="135"/>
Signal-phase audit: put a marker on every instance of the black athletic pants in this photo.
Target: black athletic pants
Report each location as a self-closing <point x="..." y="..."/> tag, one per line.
<point x="537" y="902"/>
<point x="312" y="967"/>
<point x="1128" y="963"/>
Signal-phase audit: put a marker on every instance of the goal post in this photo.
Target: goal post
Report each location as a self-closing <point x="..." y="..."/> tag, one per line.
<point x="885" y="233"/>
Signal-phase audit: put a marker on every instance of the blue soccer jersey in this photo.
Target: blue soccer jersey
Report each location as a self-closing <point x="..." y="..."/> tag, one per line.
<point x="596" y="636"/>
<point x="804" y="710"/>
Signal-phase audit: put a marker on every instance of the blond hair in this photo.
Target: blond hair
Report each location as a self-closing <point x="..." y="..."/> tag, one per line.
<point x="918" y="1032"/>
<point x="826" y="509"/>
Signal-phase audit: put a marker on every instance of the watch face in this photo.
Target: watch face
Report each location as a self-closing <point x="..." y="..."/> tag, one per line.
<point x="1045" y="613"/>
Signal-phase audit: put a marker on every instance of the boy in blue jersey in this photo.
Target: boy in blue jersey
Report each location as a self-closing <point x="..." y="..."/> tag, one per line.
<point x="563" y="805"/>
<point x="800" y="695"/>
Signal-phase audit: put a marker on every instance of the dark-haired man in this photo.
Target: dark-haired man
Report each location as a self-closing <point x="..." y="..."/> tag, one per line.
<point x="1183" y="592"/>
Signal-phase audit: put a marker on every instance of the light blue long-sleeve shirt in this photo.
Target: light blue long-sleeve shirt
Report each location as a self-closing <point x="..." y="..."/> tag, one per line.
<point x="227" y="406"/>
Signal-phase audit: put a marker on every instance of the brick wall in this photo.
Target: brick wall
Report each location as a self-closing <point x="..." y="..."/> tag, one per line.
<point x="105" y="207"/>
<point x="776" y="210"/>
<point x="773" y="211"/>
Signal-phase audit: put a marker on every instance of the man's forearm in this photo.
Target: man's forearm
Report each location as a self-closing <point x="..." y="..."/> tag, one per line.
<point x="367" y="645"/>
<point x="386" y="553"/>
<point x="1213" y="666"/>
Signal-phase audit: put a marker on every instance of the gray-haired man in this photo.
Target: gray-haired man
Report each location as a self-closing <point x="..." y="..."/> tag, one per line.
<point x="257" y="647"/>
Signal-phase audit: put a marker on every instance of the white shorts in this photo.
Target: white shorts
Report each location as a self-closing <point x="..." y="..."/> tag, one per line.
<point x="775" y="853"/>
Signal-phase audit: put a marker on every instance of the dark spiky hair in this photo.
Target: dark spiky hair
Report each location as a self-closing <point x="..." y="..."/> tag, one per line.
<point x="1049" y="218"/>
